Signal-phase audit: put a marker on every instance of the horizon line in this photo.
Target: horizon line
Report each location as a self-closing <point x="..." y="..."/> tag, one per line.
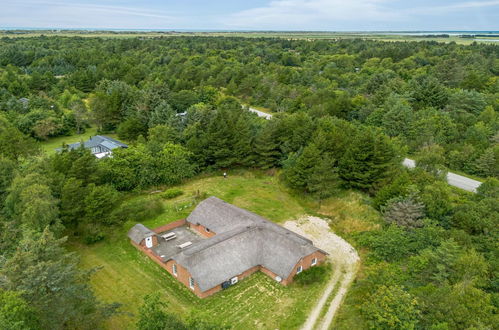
<point x="227" y="30"/>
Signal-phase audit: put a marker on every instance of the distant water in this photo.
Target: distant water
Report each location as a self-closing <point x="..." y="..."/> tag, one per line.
<point x="451" y="33"/>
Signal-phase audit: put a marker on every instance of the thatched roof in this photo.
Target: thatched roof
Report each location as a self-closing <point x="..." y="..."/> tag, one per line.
<point x="138" y="232"/>
<point x="220" y="216"/>
<point x="243" y="240"/>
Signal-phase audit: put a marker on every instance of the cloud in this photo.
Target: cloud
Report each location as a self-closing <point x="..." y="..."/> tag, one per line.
<point x="340" y="15"/>
<point x="345" y="14"/>
<point x="438" y="10"/>
<point x="294" y="14"/>
<point x="80" y="15"/>
<point x="472" y="4"/>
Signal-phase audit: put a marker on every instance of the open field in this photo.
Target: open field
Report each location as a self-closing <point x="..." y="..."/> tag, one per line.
<point x="382" y="36"/>
<point x="126" y="275"/>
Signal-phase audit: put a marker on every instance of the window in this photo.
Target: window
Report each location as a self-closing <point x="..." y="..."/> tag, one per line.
<point x="299" y="269"/>
<point x="191" y="283"/>
<point x="175" y="269"/>
<point x="233" y="280"/>
<point x="314" y="261"/>
<point x="207" y="230"/>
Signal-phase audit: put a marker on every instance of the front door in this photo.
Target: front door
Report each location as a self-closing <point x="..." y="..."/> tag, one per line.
<point x="149" y="242"/>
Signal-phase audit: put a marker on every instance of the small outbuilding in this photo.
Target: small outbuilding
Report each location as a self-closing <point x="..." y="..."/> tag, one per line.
<point x="143" y="236"/>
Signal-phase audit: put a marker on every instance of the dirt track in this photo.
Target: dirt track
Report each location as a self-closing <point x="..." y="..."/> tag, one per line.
<point x="344" y="259"/>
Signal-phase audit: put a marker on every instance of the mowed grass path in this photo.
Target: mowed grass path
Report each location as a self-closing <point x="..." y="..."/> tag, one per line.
<point x="126" y="275"/>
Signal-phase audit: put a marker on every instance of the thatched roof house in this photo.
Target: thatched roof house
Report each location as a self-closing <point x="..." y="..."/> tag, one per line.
<point x="238" y="243"/>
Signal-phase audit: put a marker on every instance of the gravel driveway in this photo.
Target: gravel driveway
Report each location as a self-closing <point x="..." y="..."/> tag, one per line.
<point x="345" y="262"/>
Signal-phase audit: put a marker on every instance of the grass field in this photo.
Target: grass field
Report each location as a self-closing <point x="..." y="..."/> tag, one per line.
<point x="308" y="35"/>
<point x="126" y="274"/>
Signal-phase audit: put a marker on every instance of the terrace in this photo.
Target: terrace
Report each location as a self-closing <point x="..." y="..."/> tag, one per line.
<point x="169" y="247"/>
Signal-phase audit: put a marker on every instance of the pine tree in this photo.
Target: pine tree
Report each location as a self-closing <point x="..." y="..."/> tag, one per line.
<point x="241" y="144"/>
<point x="405" y="212"/>
<point x="266" y="149"/>
<point x="72" y="196"/>
<point x="299" y="166"/>
<point x="323" y="179"/>
<point x="53" y="283"/>
<point x="487" y="164"/>
<point x="370" y="158"/>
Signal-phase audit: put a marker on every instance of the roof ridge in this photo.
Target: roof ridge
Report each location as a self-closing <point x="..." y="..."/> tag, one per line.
<point x="214" y="240"/>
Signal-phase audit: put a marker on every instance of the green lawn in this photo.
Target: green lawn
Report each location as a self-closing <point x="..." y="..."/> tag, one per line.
<point x="126" y="275"/>
<point x="51" y="144"/>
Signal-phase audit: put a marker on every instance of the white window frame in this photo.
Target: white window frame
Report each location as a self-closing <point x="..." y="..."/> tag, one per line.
<point x="234" y="280"/>
<point x="191" y="283"/>
<point x="149" y="242"/>
<point x="174" y="269"/>
<point x="314" y="262"/>
<point x="299" y="269"/>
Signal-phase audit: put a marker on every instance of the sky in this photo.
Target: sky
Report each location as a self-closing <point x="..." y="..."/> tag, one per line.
<point x="289" y="15"/>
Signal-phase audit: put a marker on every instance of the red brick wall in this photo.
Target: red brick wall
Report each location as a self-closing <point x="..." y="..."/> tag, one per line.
<point x="219" y="287"/>
<point x="269" y="273"/>
<point x="148" y="252"/>
<point x="183" y="277"/>
<point x="305" y="262"/>
<point x="202" y="230"/>
<point x="183" y="274"/>
<point x="169" y="226"/>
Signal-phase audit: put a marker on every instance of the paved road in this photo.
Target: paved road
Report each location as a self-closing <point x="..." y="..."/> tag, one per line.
<point x="453" y="179"/>
<point x="260" y="113"/>
<point x="463" y="182"/>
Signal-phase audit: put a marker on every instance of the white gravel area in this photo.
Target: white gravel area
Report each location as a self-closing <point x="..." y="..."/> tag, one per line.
<point x="343" y="257"/>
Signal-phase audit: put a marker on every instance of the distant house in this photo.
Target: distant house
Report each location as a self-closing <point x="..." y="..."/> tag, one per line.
<point x="100" y="146"/>
<point x="219" y="244"/>
<point x="24" y="102"/>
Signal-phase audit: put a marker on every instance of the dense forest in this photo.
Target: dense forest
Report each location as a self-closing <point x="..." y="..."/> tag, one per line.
<point x="345" y="115"/>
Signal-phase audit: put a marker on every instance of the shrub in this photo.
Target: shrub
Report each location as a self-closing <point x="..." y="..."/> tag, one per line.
<point x="92" y="234"/>
<point x="316" y="274"/>
<point x="139" y="209"/>
<point x="394" y="243"/>
<point x="92" y="238"/>
<point x="172" y="193"/>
